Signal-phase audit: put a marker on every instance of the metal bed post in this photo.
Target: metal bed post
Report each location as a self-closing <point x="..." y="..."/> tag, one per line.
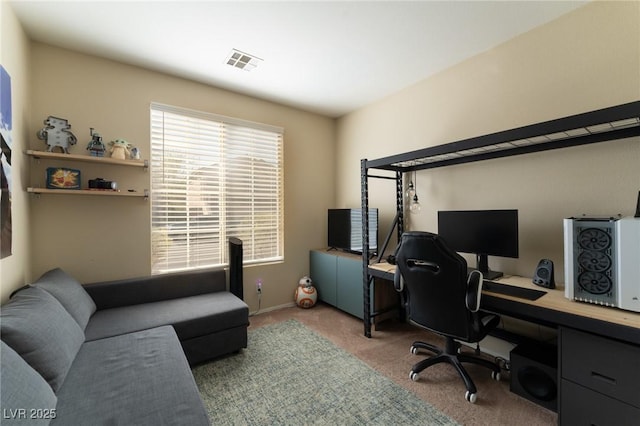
<point x="366" y="279"/>
<point x="399" y="231"/>
<point x="399" y="204"/>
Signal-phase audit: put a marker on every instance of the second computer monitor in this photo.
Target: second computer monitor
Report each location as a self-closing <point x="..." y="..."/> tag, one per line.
<point x="481" y="232"/>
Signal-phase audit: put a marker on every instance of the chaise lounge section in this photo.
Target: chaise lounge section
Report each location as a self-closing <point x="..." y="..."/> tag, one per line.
<point x="115" y="352"/>
<point x="208" y="320"/>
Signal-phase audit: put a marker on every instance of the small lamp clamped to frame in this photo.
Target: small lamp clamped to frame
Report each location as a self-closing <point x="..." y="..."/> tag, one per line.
<point x="414" y="206"/>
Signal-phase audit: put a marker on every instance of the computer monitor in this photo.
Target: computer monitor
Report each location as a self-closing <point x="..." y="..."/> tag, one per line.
<point x="481" y="232"/>
<point x="345" y="229"/>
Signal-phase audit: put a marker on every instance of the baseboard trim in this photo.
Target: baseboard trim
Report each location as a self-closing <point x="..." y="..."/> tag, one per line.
<point x="272" y="308"/>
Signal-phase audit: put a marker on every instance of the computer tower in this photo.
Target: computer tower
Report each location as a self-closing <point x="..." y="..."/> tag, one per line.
<point x="534" y="373"/>
<point x="601" y="261"/>
<point x="236" y="280"/>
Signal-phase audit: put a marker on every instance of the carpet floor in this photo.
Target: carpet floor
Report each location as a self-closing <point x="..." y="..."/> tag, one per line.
<point x="292" y="375"/>
<point x="387" y="352"/>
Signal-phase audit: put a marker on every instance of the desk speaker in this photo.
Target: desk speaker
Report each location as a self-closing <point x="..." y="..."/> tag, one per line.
<point x="534" y="374"/>
<point x="543" y="275"/>
<point x="236" y="281"/>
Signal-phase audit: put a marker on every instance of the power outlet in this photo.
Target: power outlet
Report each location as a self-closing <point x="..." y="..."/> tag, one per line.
<point x="259" y="286"/>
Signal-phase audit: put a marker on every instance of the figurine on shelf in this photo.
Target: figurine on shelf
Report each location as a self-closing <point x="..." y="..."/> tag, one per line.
<point x="56" y="133"/>
<point x="135" y="153"/>
<point x="120" y="149"/>
<point x="95" y="147"/>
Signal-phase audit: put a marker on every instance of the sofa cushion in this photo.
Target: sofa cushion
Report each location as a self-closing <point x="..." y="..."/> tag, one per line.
<point x="42" y="332"/>
<point x="190" y="316"/>
<point x="25" y="397"/>
<point x="135" y="379"/>
<point x="70" y="293"/>
<point x="154" y="288"/>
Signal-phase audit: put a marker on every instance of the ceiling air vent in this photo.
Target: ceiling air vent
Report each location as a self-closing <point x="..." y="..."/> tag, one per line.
<point x="242" y="60"/>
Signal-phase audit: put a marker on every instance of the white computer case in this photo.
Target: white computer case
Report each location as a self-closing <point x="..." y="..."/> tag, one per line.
<point x="602" y="261"/>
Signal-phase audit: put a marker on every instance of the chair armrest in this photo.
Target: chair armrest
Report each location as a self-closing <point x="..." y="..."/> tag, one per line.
<point x="474" y="290"/>
<point x="398" y="283"/>
<point x="135" y="291"/>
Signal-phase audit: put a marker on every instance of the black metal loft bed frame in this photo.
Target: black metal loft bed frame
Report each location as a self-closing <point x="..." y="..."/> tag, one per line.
<point x="607" y="124"/>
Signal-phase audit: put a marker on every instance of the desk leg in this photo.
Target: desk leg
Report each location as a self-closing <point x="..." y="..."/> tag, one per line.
<point x="386" y="302"/>
<point x="367" y="306"/>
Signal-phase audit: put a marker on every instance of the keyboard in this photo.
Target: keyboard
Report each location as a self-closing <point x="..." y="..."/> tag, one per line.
<point x="510" y="290"/>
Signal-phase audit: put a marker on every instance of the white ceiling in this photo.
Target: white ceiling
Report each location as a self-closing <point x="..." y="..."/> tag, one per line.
<point x="326" y="57"/>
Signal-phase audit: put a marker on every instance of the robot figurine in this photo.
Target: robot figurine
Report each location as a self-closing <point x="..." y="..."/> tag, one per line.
<point x="135" y="153"/>
<point x="56" y="133"/>
<point x="305" y="295"/>
<point x="95" y="147"/>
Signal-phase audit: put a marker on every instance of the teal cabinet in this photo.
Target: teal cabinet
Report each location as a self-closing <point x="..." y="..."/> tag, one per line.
<point x="349" y="286"/>
<point x="337" y="277"/>
<point x="323" y="270"/>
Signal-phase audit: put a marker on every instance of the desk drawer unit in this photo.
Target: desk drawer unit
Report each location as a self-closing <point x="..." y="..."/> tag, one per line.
<point x="582" y="406"/>
<point x="600" y="379"/>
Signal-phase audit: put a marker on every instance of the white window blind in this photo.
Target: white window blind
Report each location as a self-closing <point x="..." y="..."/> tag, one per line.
<point x="213" y="177"/>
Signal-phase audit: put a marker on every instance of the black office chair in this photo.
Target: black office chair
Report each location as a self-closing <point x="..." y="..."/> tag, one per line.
<point x="441" y="299"/>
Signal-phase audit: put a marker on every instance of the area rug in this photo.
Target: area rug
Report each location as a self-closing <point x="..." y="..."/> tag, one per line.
<point x="290" y="375"/>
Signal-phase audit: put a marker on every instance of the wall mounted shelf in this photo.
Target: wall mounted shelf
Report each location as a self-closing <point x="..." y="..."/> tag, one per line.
<point x="86" y="158"/>
<point x="107" y="161"/>
<point x="39" y="191"/>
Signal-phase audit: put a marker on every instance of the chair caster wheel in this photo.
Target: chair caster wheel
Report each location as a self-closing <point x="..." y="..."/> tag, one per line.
<point x="413" y="376"/>
<point x="470" y="397"/>
<point x="495" y="375"/>
<point x="414" y="350"/>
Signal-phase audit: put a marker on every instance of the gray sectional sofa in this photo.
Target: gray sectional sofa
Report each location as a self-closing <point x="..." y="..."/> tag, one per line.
<point x="116" y="353"/>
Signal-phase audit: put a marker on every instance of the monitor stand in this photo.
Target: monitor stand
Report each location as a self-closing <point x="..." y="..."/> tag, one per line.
<point x="483" y="266"/>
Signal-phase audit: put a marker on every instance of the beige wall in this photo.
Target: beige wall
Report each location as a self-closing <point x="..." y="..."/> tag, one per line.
<point x="14" y="57"/>
<point x="103" y="238"/>
<point x="586" y="60"/>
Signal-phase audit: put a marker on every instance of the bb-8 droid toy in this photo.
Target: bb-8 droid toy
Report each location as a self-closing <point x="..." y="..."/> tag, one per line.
<point x="305" y="295"/>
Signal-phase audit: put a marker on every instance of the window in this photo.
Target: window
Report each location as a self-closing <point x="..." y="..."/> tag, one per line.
<point x="213" y="177"/>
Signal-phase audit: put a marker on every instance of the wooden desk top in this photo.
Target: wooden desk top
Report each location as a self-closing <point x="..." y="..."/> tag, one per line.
<point x="555" y="300"/>
<point x="553" y="307"/>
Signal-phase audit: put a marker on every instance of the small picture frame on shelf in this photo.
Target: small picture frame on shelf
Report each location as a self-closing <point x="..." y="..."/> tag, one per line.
<point x="63" y="178"/>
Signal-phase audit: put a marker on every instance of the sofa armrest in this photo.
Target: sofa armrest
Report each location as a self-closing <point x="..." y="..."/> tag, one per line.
<point x="134" y="291"/>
